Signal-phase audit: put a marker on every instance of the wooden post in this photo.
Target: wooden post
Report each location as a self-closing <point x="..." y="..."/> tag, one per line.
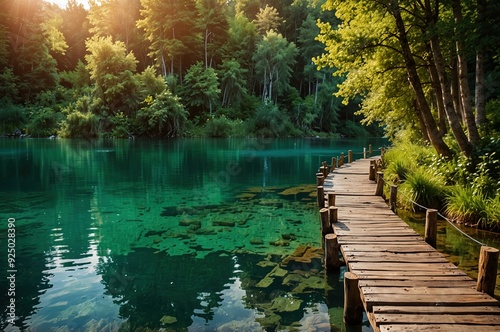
<point x="371" y="174"/>
<point x="326" y="228"/>
<point x="331" y="199"/>
<point x="321" y="196"/>
<point x="325" y="169"/>
<point x="349" y="156"/>
<point x="431" y="227"/>
<point x="341" y="159"/>
<point x="487" y="272"/>
<point x="370" y="150"/>
<point x="334" y="214"/>
<point x="334" y="164"/>
<point x="332" y="261"/>
<point x="353" y="307"/>
<point x="382" y="152"/>
<point x="364" y="153"/>
<point x="393" y="198"/>
<point x="380" y="184"/>
<point x="320" y="179"/>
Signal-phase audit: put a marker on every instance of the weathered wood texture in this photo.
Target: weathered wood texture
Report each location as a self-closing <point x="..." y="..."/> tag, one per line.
<point x="405" y="284"/>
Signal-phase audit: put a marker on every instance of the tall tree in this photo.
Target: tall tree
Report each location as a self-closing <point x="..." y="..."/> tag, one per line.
<point x="168" y="26"/>
<point x="213" y="22"/>
<point x="75" y="28"/>
<point x="201" y="88"/>
<point x="112" y="71"/>
<point x="267" y="19"/>
<point x="379" y="37"/>
<point x="274" y="59"/>
<point x="232" y="82"/>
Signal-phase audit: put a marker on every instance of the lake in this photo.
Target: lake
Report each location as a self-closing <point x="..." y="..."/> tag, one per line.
<point x="179" y="235"/>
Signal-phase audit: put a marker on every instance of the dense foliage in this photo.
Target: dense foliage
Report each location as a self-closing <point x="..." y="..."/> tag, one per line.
<point x="167" y="68"/>
<point x="466" y="190"/>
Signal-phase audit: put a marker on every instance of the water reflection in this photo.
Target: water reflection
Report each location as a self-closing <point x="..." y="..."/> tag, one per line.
<point x="185" y="234"/>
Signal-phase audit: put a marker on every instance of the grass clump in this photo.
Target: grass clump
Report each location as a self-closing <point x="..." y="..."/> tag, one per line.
<point x="463" y="205"/>
<point x="424" y="188"/>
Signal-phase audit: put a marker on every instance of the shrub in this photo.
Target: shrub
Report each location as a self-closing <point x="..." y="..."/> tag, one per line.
<point x="223" y="127"/>
<point x="493" y="213"/>
<point x="163" y="115"/>
<point x="121" y="125"/>
<point x="398" y="170"/>
<point x="80" y="124"/>
<point x="43" y="122"/>
<point x="465" y="206"/>
<point x="423" y="188"/>
<point x="270" y="121"/>
<point x="11" y="117"/>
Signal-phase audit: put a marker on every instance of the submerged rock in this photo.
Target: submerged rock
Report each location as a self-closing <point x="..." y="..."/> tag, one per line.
<point x="266" y="282"/>
<point x="248" y="325"/>
<point x="256" y="241"/>
<point x="224" y="223"/>
<point x="167" y="320"/>
<point x="186" y="223"/>
<point x="286" y="304"/>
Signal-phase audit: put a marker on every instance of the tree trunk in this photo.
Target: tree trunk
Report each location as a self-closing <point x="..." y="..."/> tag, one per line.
<point x="455" y="91"/>
<point x="465" y="96"/>
<point x="439" y="97"/>
<point x="421" y="122"/>
<point x="453" y="120"/>
<point x="480" y="89"/>
<point x="435" y="136"/>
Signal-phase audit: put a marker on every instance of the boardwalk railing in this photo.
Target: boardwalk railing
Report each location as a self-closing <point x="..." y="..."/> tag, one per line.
<point x="399" y="279"/>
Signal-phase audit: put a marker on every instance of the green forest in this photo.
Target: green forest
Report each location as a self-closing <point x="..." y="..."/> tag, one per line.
<point x="124" y="68"/>
<point x="130" y="68"/>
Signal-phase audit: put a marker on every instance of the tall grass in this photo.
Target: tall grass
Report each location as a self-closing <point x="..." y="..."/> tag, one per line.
<point x="423" y="188"/>
<point x="464" y="205"/>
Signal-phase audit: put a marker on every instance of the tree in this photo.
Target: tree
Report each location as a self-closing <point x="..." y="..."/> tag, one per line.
<point x="213" y="22"/>
<point x="200" y="88"/>
<point x="274" y="59"/>
<point x="168" y="25"/>
<point x="242" y="35"/>
<point x="75" y="28"/>
<point x="267" y="19"/>
<point x="163" y="115"/>
<point x="112" y="70"/>
<point x="232" y="82"/>
<point x="392" y="39"/>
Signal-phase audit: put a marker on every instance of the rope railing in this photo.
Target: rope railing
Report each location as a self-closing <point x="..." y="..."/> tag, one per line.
<point x="439" y="214"/>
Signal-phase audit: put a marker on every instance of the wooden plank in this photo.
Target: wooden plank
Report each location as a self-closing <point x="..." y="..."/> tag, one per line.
<point x="403" y="266"/>
<point x="387" y="248"/>
<point x="413" y="277"/>
<point x="384" y="318"/>
<point x="448" y="283"/>
<point x="427" y="299"/>
<point x="438" y="328"/>
<point x="437" y="310"/>
<point x="394" y="258"/>
<point x="417" y="290"/>
<point x="411" y="274"/>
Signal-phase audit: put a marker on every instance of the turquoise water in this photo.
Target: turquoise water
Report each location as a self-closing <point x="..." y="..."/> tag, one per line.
<point x="179" y="235"/>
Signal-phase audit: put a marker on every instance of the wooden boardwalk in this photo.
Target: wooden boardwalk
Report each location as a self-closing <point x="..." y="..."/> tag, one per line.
<point x="405" y="284"/>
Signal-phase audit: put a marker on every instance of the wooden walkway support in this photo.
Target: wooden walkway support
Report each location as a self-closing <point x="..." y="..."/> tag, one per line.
<point x="404" y="283"/>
